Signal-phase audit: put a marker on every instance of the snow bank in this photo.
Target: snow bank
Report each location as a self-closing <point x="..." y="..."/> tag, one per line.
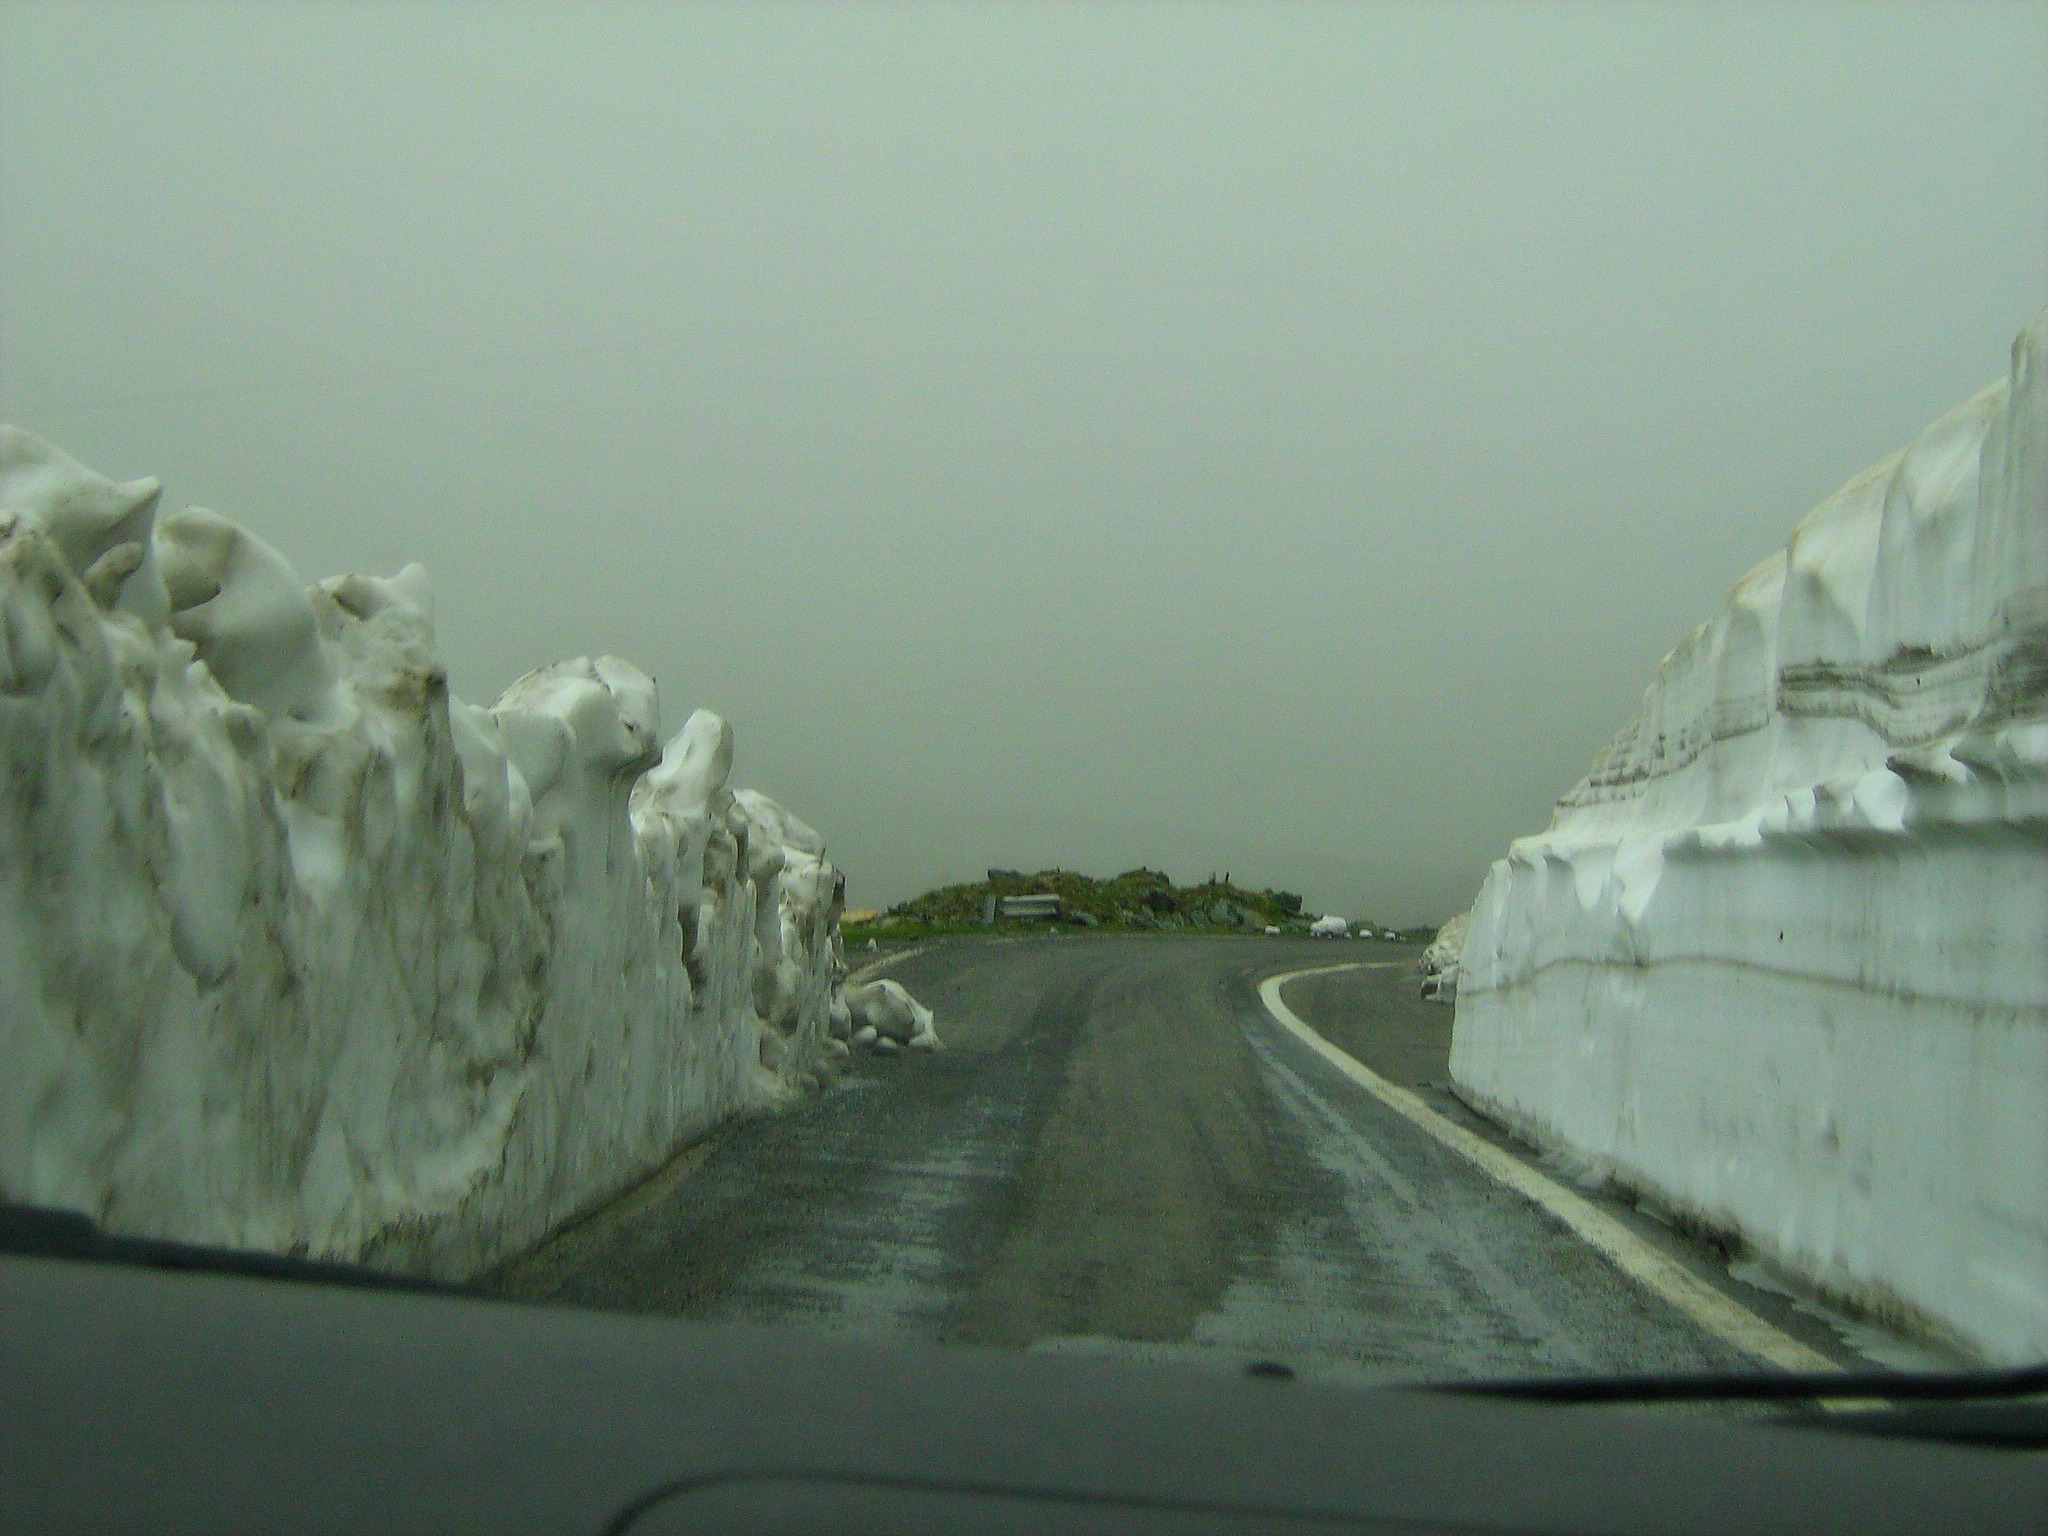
<point x="1781" y="959"/>
<point x="301" y="952"/>
<point x="1439" y="963"/>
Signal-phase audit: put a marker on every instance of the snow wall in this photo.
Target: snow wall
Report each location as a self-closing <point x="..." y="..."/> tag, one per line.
<point x="1781" y="959"/>
<point x="299" y="952"/>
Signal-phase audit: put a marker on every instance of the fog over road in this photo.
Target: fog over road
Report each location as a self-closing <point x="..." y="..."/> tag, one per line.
<point x="1121" y="1150"/>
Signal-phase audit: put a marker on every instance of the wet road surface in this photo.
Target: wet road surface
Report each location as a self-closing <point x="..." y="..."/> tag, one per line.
<point x="1120" y="1151"/>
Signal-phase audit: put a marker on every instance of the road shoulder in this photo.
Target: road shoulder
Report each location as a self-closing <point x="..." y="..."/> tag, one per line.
<point x="1364" y="1014"/>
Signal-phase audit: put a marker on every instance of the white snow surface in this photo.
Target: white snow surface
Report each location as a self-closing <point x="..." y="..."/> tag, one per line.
<point x="885" y="1010"/>
<point x="302" y="953"/>
<point x="1439" y="963"/>
<point x="1781" y="959"/>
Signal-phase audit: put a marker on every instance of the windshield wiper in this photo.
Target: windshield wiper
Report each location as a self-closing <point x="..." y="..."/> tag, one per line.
<point x="1958" y="1407"/>
<point x="1790" y="1387"/>
<point x="48" y="1232"/>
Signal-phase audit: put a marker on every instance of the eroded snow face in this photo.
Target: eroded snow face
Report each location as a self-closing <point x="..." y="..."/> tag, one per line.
<point x="303" y="953"/>
<point x="1779" y="958"/>
<point x="1439" y="963"/>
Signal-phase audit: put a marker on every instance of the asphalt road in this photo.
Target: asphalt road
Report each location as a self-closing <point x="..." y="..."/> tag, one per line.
<point x="1120" y="1151"/>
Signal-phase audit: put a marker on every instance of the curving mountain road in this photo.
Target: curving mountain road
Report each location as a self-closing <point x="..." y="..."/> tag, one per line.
<point x="1121" y="1150"/>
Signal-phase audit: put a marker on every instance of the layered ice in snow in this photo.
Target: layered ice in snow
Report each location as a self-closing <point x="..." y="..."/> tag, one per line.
<point x="301" y="952"/>
<point x="1781" y="958"/>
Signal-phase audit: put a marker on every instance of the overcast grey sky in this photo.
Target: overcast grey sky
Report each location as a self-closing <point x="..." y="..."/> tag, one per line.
<point x="1276" y="438"/>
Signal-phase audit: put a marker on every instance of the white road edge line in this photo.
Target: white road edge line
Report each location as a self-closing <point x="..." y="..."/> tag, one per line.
<point x="1657" y="1273"/>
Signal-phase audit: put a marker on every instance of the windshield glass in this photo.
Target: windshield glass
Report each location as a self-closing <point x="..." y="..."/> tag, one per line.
<point x="927" y="672"/>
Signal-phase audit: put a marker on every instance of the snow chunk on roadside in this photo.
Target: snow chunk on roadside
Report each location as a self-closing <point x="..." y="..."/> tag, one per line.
<point x="885" y="1011"/>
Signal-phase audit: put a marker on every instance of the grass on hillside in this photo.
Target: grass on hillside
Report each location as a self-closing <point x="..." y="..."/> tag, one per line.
<point x="1137" y="901"/>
